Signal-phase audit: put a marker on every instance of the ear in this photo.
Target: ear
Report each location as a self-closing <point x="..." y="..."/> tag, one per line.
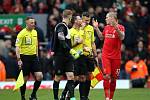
<point x="26" y="21"/>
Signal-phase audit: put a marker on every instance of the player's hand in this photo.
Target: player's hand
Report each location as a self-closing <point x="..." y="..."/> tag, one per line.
<point x="114" y="24"/>
<point x="95" y="23"/>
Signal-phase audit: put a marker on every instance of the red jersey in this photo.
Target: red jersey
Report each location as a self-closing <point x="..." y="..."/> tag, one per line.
<point x="112" y="43"/>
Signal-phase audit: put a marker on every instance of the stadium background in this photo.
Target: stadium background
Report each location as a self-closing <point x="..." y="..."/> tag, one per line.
<point x="133" y="14"/>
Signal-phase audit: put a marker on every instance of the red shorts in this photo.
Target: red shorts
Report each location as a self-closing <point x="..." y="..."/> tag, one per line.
<point x="111" y="66"/>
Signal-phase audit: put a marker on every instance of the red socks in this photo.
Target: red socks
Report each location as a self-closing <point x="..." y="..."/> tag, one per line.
<point x="106" y="85"/>
<point x="112" y="88"/>
<point x="109" y="88"/>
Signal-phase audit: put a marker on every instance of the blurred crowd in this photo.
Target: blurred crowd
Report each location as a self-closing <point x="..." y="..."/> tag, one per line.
<point x="133" y="14"/>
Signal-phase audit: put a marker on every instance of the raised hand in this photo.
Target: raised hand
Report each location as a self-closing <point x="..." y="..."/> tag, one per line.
<point x="95" y="23"/>
<point x="114" y="24"/>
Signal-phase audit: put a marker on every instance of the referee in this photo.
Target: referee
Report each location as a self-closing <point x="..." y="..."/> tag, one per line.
<point x="63" y="60"/>
<point x="27" y="56"/>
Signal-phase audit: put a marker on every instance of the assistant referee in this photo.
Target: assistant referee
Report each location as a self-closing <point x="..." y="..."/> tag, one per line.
<point x="27" y="56"/>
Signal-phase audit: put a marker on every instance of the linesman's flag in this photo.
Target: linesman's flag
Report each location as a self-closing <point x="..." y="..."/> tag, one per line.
<point x="19" y="82"/>
<point x="96" y="76"/>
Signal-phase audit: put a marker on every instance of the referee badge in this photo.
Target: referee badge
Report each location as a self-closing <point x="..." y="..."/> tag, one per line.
<point x="28" y="40"/>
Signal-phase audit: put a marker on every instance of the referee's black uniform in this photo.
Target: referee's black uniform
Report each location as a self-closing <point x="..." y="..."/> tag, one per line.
<point x="63" y="61"/>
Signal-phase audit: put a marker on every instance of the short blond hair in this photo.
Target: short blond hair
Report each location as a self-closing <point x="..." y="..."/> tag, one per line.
<point x="67" y="13"/>
<point x="113" y="14"/>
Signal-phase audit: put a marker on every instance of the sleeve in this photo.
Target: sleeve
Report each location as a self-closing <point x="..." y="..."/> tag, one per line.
<point x="61" y="37"/>
<point x="121" y="28"/>
<point x="19" y="40"/>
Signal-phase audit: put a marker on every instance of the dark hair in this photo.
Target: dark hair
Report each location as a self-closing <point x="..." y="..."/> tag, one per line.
<point x="74" y="17"/>
<point x="86" y="14"/>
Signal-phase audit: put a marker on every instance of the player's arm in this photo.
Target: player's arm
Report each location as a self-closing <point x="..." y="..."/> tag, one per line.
<point x="120" y="32"/>
<point x="94" y="47"/>
<point x="93" y="43"/>
<point x="99" y="33"/>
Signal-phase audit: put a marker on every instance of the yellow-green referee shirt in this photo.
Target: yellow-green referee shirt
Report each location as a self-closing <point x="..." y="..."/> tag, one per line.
<point x="27" y="42"/>
<point x="75" y="33"/>
<point x="88" y="38"/>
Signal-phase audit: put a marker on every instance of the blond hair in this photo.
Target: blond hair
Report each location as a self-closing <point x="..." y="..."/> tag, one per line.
<point x="113" y="14"/>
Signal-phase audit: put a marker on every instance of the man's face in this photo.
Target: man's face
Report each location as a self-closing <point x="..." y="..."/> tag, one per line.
<point x="78" y="20"/>
<point x="30" y="23"/>
<point x="86" y="20"/>
<point x="109" y="19"/>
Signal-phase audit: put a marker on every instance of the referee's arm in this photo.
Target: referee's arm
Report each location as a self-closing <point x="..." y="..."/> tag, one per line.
<point x="61" y="38"/>
<point x="18" y="52"/>
<point x="18" y="44"/>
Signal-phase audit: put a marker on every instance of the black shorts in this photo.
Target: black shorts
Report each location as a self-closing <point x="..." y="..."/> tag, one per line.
<point x="30" y="64"/>
<point x="63" y="64"/>
<point x="83" y="65"/>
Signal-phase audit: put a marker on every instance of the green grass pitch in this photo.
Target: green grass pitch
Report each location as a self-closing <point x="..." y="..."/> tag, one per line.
<point x="95" y="94"/>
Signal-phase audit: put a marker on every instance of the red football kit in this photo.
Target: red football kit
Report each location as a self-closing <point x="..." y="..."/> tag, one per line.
<point x="111" y="52"/>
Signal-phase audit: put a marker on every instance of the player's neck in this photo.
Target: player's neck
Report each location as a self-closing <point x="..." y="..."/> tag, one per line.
<point x="76" y="26"/>
<point x="65" y="21"/>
